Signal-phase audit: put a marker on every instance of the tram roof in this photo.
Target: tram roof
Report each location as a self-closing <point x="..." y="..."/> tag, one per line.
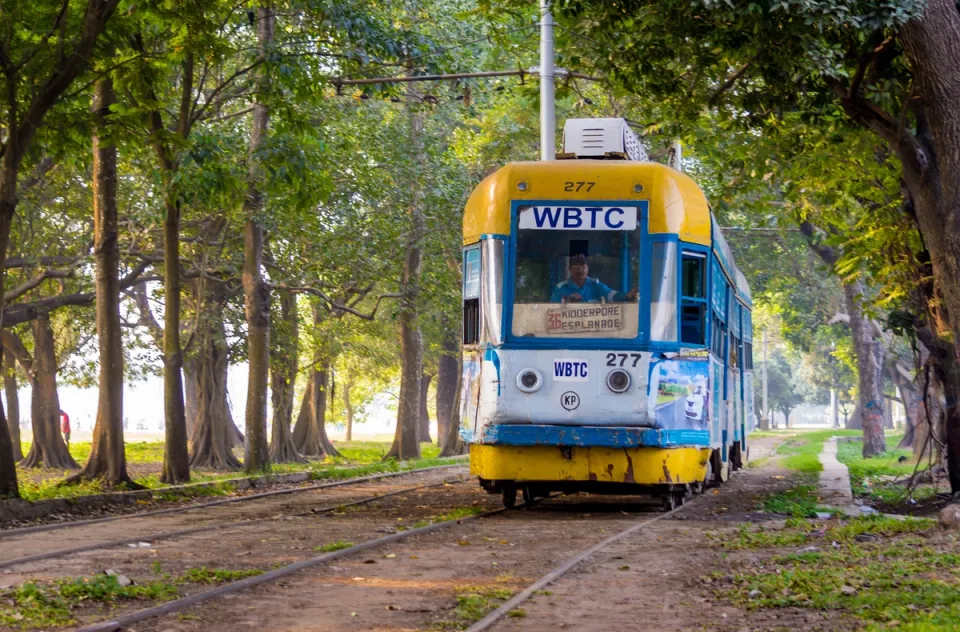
<point x="676" y="204"/>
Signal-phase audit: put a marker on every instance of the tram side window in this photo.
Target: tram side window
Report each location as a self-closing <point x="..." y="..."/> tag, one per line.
<point x="693" y="307"/>
<point x="471" y="296"/>
<point x="748" y="356"/>
<point x="716" y="338"/>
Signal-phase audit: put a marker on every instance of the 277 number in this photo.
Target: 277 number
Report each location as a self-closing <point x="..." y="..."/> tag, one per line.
<point x="613" y="357"/>
<point x="576" y="186"/>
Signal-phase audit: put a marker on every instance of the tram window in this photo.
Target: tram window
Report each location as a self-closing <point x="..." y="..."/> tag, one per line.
<point x="550" y="297"/>
<point x="748" y="356"/>
<point x="693" y="308"/>
<point x="471" y="321"/>
<point x="663" y="292"/>
<point x="716" y="339"/>
<point x="471" y="296"/>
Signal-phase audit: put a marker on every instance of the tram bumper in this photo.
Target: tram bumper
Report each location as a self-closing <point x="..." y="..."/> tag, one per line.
<point x="589" y="468"/>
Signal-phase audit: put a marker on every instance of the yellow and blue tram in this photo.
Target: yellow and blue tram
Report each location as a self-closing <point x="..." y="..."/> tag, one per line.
<point x="607" y="342"/>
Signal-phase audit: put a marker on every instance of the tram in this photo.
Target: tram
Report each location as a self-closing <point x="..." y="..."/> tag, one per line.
<point x="607" y="339"/>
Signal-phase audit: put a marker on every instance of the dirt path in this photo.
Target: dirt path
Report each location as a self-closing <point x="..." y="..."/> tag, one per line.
<point x="659" y="578"/>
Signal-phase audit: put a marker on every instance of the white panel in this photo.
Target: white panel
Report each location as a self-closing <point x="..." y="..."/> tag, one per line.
<point x="578" y="218"/>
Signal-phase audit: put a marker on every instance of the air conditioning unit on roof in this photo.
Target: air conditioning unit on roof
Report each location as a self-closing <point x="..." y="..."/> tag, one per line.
<point x="602" y="138"/>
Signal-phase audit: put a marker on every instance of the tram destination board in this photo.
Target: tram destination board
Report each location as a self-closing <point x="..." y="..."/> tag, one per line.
<point x="586" y="318"/>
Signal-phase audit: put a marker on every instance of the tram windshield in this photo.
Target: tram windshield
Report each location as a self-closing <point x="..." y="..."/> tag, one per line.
<point x="577" y="272"/>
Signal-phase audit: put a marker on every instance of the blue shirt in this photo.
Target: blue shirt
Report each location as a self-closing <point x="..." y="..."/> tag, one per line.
<point x="592" y="291"/>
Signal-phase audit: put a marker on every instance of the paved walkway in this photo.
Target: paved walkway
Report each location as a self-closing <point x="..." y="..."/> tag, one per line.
<point x="834" y="479"/>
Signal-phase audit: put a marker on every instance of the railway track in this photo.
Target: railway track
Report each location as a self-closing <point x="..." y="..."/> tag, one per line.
<point x="167" y="535"/>
<point x="184" y="603"/>
<point x="9" y="533"/>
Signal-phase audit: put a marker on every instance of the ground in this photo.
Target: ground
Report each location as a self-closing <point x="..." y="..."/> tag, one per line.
<point x="740" y="557"/>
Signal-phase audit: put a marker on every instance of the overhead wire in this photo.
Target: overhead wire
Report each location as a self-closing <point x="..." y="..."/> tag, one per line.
<point x="439" y="51"/>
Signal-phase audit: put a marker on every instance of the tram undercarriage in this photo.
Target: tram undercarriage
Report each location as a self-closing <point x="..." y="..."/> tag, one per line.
<point x="536" y="471"/>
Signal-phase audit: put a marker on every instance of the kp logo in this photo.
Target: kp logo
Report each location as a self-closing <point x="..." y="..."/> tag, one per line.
<point x="570" y="400"/>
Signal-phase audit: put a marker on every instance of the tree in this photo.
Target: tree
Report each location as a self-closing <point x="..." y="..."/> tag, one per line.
<point x="781" y="391"/>
<point x="107" y="459"/>
<point x="869" y="350"/>
<point x="256" y="295"/>
<point x="27" y="59"/>
<point x="889" y="68"/>
<point x="284" y="355"/>
<point x="13" y="402"/>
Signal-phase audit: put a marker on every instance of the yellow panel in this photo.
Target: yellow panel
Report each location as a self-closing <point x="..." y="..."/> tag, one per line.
<point x="643" y="466"/>
<point x="676" y="203"/>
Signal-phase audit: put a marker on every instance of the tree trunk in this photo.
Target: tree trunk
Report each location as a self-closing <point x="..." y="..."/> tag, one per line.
<point x="48" y="448"/>
<point x="13" y="402"/>
<point x="406" y="442"/>
<point x="425" y="380"/>
<point x="10" y="165"/>
<point x="913" y="405"/>
<point x="284" y="358"/>
<point x="869" y="351"/>
<point x="256" y="295"/>
<point x="348" y="408"/>
<point x="176" y="460"/>
<point x="191" y="398"/>
<point x="310" y="432"/>
<point x="447" y="376"/>
<point x="107" y="459"/>
<point x="211" y="445"/>
<point x="450" y="442"/>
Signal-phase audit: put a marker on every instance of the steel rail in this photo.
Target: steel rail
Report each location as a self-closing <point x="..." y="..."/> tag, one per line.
<point x="159" y="512"/>
<point x="559" y="571"/>
<point x="121" y="622"/>
<point x="167" y="535"/>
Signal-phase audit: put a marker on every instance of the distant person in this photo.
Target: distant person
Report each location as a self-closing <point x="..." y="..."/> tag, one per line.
<point x="580" y="288"/>
<point x="65" y="427"/>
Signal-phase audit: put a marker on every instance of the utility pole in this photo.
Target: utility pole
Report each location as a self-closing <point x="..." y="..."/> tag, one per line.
<point x="548" y="122"/>
<point x="765" y="415"/>
<point x="675" y="159"/>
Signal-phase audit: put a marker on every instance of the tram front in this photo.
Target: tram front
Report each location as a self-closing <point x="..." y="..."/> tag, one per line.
<point x="584" y="328"/>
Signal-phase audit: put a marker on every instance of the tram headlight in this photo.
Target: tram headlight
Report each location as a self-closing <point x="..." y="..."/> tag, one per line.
<point x="618" y="380"/>
<point x="529" y="380"/>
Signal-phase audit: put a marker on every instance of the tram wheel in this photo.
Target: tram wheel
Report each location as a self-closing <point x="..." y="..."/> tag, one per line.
<point x="509" y="496"/>
<point x="672" y="500"/>
<point x="528" y="496"/>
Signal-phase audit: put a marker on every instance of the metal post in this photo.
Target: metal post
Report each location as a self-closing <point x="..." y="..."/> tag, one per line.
<point x="676" y="155"/>
<point x="765" y="416"/>
<point x="834" y="410"/>
<point x="548" y="122"/>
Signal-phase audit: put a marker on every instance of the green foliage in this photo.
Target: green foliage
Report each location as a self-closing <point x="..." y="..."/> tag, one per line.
<point x="330" y="547"/>
<point x="204" y="575"/>
<point x="798" y="502"/>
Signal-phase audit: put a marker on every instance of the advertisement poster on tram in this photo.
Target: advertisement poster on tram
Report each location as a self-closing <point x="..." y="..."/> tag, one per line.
<point x="469" y="395"/>
<point x="679" y="396"/>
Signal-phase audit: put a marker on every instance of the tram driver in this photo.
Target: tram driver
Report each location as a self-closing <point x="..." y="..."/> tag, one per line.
<point x="580" y="288"/>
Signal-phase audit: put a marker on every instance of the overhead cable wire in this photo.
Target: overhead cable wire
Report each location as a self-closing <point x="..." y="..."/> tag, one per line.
<point x="439" y="51"/>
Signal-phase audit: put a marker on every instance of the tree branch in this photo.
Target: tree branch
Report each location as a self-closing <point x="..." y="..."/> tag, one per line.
<point x="338" y="307"/>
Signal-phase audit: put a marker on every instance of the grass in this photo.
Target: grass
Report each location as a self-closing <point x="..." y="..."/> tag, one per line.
<point x="798" y="502"/>
<point x="456" y="514"/>
<point x="330" y="547"/>
<point x="358" y="458"/>
<point x="887" y="572"/>
<point x="864" y="472"/>
<point x="55" y="603"/>
<point x="474" y="603"/>
<point x="801" y="452"/>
